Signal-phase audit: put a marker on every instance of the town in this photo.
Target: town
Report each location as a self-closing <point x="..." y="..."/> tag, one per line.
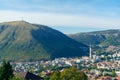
<point x="96" y="67"/>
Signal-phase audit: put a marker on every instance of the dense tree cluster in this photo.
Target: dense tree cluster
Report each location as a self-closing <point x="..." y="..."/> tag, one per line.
<point x="68" y="74"/>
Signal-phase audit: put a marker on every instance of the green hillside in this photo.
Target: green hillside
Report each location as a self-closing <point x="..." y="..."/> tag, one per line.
<point x="22" y="41"/>
<point x="99" y="38"/>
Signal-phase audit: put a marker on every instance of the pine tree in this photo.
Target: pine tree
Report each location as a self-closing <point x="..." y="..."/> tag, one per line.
<point x="6" y="71"/>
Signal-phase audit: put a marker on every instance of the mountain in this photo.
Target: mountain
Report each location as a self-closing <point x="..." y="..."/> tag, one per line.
<point x="23" y="41"/>
<point x="105" y="38"/>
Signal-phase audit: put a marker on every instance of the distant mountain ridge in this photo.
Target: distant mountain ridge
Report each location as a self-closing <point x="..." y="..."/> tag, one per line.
<point x="104" y="38"/>
<point x="23" y="41"/>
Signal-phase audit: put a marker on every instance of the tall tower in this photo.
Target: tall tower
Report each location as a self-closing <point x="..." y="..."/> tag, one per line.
<point x="90" y="52"/>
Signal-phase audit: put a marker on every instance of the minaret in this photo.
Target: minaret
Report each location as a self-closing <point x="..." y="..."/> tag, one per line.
<point x="90" y="52"/>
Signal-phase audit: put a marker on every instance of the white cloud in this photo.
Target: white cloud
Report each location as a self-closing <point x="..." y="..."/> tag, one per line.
<point x="55" y="19"/>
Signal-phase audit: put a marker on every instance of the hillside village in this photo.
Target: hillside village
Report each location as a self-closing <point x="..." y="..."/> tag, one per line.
<point x="95" y="67"/>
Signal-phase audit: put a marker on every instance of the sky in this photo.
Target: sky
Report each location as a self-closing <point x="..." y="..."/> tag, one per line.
<point x="68" y="16"/>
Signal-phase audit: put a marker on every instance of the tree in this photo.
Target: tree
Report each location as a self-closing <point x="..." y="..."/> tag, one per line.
<point x="55" y="75"/>
<point x="16" y="78"/>
<point x="113" y="74"/>
<point x="69" y="74"/>
<point x="6" y="71"/>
